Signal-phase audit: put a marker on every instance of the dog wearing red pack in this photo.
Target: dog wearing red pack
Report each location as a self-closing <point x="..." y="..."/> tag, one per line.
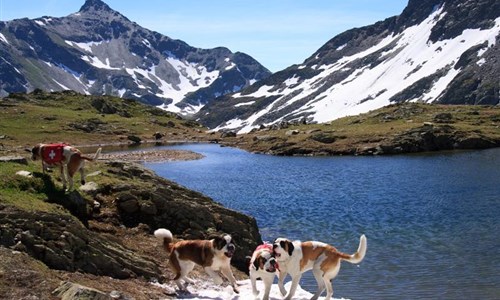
<point x="65" y="157"/>
<point x="263" y="265"/>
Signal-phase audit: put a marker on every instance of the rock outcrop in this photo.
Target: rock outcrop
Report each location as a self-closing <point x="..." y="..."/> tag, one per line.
<point x="89" y="231"/>
<point x="63" y="243"/>
<point x="188" y="214"/>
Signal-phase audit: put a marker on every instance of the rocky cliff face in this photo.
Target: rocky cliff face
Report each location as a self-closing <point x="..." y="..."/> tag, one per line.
<point x="99" y="51"/>
<point x="436" y="51"/>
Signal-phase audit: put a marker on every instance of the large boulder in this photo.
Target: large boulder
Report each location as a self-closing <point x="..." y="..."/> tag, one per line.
<point x="63" y="243"/>
<point x="160" y="203"/>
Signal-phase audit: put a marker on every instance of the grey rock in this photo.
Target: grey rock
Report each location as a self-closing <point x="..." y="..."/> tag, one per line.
<point x="14" y="159"/>
<point x="72" y="291"/>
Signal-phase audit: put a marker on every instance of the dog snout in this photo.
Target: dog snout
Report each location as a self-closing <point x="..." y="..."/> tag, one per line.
<point x="272" y="261"/>
<point x="231" y="247"/>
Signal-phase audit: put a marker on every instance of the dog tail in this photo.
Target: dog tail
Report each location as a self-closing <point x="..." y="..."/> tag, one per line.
<point x="96" y="155"/>
<point x="357" y="257"/>
<point x="166" y="236"/>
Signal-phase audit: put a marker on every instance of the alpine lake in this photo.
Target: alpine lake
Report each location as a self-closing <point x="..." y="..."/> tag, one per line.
<point x="432" y="220"/>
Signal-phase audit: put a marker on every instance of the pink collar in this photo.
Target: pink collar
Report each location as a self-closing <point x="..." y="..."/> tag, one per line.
<point x="265" y="246"/>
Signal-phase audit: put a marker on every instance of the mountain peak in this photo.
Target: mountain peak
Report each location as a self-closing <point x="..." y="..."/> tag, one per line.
<point x="95" y="5"/>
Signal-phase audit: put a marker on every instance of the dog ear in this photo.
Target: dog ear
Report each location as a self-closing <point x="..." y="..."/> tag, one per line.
<point x="290" y="248"/>
<point x="219" y="242"/>
<point x="256" y="263"/>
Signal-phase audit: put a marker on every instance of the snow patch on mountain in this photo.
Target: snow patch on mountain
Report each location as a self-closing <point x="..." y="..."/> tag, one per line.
<point x="87" y="47"/>
<point x="403" y="59"/>
<point x="105" y="53"/>
<point x="3" y="38"/>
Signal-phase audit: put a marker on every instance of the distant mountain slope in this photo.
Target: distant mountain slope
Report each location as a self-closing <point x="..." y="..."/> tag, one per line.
<point x="435" y="51"/>
<point x="99" y="51"/>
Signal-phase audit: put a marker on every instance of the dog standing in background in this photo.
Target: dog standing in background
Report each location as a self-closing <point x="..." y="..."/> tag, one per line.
<point x="69" y="160"/>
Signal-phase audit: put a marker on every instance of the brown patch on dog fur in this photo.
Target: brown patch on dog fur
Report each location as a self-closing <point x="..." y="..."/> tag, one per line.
<point x="333" y="257"/>
<point x="309" y="252"/>
<point x="312" y="252"/>
<point x="262" y="262"/>
<point x="287" y="246"/>
<point x="74" y="163"/>
<point x="198" y="251"/>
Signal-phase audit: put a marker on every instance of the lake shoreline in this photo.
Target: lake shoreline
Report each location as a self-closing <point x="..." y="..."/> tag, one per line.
<point x="150" y="156"/>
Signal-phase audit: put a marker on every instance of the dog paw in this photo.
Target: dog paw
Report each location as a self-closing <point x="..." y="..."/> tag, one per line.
<point x="236" y="290"/>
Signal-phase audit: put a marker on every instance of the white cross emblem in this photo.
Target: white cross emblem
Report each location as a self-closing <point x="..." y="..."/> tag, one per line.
<point x="52" y="154"/>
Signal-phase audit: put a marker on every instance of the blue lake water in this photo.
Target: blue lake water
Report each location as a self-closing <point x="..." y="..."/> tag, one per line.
<point x="432" y="221"/>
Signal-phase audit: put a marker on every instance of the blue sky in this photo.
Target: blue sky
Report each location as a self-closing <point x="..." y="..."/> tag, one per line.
<point x="278" y="33"/>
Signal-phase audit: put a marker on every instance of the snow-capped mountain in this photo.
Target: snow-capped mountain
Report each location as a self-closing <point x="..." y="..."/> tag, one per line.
<point x="99" y="51"/>
<point x="444" y="51"/>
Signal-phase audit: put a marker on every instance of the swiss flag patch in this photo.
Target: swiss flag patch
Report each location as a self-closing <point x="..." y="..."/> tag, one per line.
<point x="53" y="153"/>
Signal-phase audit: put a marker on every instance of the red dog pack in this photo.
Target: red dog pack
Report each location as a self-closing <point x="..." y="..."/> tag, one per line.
<point x="53" y="153"/>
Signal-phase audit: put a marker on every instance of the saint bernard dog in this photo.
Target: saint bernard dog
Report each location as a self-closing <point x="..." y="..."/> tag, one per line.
<point x="263" y="265"/>
<point x="65" y="157"/>
<point x="213" y="255"/>
<point x="298" y="257"/>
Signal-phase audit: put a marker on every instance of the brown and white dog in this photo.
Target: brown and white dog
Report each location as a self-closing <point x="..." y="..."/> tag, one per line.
<point x="298" y="257"/>
<point x="65" y="157"/>
<point x="213" y="255"/>
<point x="263" y="265"/>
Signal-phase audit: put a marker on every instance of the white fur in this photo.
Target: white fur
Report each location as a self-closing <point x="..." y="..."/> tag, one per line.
<point x="290" y="264"/>
<point x="163" y="233"/>
<point x="267" y="277"/>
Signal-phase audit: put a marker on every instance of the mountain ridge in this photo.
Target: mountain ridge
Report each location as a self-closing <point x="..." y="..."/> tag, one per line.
<point x="434" y="51"/>
<point x="99" y="51"/>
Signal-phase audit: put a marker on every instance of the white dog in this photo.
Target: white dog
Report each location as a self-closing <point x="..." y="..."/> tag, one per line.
<point x="324" y="260"/>
<point x="263" y="265"/>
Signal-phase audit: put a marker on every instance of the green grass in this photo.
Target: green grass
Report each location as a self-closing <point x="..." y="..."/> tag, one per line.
<point x="28" y="193"/>
<point x="28" y="119"/>
<point x="369" y="129"/>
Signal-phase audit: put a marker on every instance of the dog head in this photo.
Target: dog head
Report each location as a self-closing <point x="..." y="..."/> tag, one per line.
<point x="225" y="245"/>
<point x="35" y="152"/>
<point x="283" y="249"/>
<point x="263" y="258"/>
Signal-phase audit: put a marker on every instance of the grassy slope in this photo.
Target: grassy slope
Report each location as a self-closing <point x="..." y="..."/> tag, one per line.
<point x="26" y="120"/>
<point x="381" y="126"/>
<point x="22" y="276"/>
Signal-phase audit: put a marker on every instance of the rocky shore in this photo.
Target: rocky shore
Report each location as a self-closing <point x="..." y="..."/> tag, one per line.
<point x="98" y="239"/>
<point x="152" y="155"/>
<point x="395" y="129"/>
